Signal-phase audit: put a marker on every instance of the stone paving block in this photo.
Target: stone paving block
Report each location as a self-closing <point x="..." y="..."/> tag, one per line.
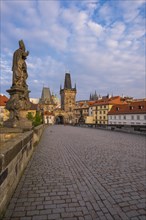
<point x="88" y="217"/>
<point x="40" y="217"/>
<point x="141" y="205"/>
<point x="67" y="215"/>
<point x="134" y="218"/>
<point x="14" y="218"/>
<point x="103" y="218"/>
<point x="40" y="207"/>
<point x="45" y="211"/>
<point x="53" y="216"/>
<point x="61" y="201"/>
<point x="142" y="217"/>
<point x="32" y="212"/>
<point x="73" y="204"/>
<point x="62" y="205"/>
<point x="58" y="210"/>
<point x="20" y="208"/>
<point x="116" y="217"/>
<point x="18" y="214"/>
<point x="30" y="208"/>
<point x="73" y="218"/>
<point x="50" y="206"/>
<point x="81" y="218"/>
<point x="25" y="218"/>
<point x="132" y="213"/>
<point x="71" y="209"/>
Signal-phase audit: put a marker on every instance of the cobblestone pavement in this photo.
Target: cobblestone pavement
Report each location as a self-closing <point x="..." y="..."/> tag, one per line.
<point x="82" y="174"/>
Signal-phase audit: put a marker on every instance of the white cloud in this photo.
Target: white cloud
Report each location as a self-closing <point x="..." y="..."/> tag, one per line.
<point x="106" y="13"/>
<point x="95" y="28"/>
<point x="99" y="43"/>
<point x="131" y="9"/>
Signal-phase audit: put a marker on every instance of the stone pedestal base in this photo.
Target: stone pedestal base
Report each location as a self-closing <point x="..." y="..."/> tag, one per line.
<point x="18" y="105"/>
<point x="23" y="123"/>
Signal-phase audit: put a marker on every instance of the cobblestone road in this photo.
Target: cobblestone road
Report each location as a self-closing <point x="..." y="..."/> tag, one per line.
<point x="83" y="174"/>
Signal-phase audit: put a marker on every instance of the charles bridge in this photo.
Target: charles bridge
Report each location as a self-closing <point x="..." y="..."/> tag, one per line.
<point x="74" y="173"/>
<point x="66" y="172"/>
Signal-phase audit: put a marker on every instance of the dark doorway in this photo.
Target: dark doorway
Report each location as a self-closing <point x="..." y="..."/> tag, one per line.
<point x="60" y="120"/>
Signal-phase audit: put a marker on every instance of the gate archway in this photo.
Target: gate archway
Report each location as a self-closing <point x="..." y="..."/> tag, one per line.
<point x="60" y="119"/>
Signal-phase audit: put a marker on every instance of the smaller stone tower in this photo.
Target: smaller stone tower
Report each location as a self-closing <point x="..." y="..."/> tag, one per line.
<point x="68" y="98"/>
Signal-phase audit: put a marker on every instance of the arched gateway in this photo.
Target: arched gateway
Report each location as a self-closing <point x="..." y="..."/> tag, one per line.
<point x="59" y="119"/>
<point x="60" y="116"/>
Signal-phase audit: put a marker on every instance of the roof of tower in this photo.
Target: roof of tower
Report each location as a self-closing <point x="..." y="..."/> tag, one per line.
<point x="46" y="95"/>
<point x="67" y="81"/>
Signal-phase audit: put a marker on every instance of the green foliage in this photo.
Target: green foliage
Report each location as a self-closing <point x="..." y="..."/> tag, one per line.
<point x="30" y="116"/>
<point x="36" y="120"/>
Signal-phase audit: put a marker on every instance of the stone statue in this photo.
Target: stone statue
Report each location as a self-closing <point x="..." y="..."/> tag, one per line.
<point x="19" y="66"/>
<point x="19" y="103"/>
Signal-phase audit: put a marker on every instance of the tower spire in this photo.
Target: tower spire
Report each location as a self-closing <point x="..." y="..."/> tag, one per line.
<point x="67" y="81"/>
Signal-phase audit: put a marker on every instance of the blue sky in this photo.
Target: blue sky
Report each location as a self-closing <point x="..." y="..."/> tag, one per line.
<point x="101" y="43"/>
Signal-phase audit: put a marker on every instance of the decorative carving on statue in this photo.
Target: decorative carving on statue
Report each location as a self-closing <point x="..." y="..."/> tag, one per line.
<point x="19" y="66"/>
<point x="13" y="105"/>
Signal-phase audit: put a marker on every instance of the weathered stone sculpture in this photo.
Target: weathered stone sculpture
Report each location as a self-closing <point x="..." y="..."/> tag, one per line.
<point x="19" y="67"/>
<point x="19" y="102"/>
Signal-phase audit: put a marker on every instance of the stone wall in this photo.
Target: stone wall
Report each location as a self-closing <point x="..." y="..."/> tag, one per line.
<point x="14" y="157"/>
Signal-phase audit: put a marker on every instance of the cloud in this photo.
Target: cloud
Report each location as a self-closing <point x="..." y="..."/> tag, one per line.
<point x="101" y="43"/>
<point x="131" y="11"/>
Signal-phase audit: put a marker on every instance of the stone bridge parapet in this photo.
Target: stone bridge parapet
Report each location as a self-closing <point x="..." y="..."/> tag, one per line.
<point x="14" y="157"/>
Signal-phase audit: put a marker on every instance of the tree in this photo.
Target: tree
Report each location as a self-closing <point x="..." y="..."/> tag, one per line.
<point x="37" y="119"/>
<point x="30" y="116"/>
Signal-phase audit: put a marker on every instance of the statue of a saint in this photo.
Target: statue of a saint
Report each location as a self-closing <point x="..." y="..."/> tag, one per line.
<point x="19" y="66"/>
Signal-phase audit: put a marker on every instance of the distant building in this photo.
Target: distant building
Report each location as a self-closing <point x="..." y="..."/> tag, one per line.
<point x="4" y="113"/>
<point x="82" y="110"/>
<point x="98" y="112"/>
<point x="133" y="113"/>
<point x="47" y="106"/>
<point x="33" y="109"/>
<point x="68" y="99"/>
<point x="95" y="97"/>
<point x="56" y="100"/>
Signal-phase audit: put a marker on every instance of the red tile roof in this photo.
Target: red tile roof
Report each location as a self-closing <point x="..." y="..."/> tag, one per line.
<point x="103" y="101"/>
<point x="130" y="108"/>
<point x="48" y="113"/>
<point x="108" y="101"/>
<point x="3" y="100"/>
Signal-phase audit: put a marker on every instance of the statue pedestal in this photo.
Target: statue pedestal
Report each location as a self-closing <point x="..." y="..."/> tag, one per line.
<point x="22" y="122"/>
<point x="18" y="105"/>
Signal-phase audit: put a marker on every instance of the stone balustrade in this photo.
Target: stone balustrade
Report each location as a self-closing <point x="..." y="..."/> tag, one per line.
<point x="14" y="157"/>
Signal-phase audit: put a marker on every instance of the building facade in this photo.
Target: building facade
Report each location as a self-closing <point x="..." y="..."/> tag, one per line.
<point x="47" y="106"/>
<point x="133" y="113"/>
<point x="98" y="112"/>
<point x="82" y="111"/>
<point x="4" y="113"/>
<point x="68" y="99"/>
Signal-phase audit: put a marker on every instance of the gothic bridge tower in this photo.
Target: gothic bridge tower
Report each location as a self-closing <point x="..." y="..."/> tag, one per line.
<point x="68" y="99"/>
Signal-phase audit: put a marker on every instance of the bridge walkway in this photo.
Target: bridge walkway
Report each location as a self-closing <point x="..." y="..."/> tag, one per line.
<point x="83" y="174"/>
